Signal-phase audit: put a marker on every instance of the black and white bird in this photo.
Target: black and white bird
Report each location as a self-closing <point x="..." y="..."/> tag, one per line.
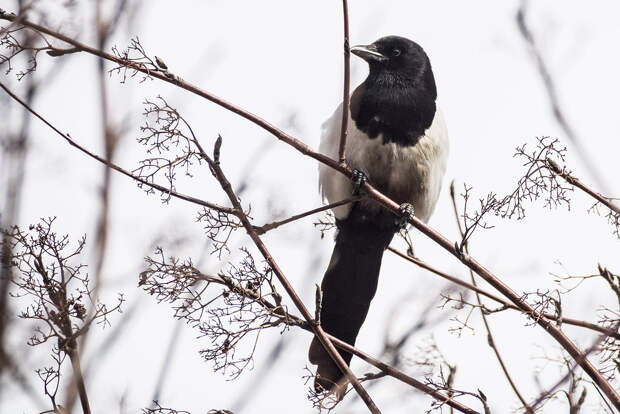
<point x="397" y="140"/>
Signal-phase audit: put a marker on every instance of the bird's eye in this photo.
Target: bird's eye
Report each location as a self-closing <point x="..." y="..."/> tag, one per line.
<point x="396" y="52"/>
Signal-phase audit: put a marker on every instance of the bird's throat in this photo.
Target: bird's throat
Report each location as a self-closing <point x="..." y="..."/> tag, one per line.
<point x="397" y="110"/>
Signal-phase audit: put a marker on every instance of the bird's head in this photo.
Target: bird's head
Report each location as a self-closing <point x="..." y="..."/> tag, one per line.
<point x="393" y="54"/>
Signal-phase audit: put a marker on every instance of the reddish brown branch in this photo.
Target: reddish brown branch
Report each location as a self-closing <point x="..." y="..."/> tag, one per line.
<point x="115" y="167"/>
<point x="579" y="184"/>
<point x="393" y="372"/>
<point x="345" y="98"/>
<point x="385" y="368"/>
<point x="315" y="326"/>
<point x="275" y="224"/>
<point x="497" y="283"/>
<point x="505" y="304"/>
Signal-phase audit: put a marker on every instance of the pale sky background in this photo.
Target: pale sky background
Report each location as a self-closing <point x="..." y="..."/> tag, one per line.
<point x="282" y="60"/>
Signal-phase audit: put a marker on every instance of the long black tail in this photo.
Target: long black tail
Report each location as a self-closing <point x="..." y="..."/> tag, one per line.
<point x="350" y="283"/>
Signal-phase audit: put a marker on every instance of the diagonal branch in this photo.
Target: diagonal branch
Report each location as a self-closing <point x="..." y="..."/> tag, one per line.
<point x="295" y="321"/>
<point x="518" y="300"/>
<point x="505" y="304"/>
<point x="275" y="224"/>
<point x="315" y="326"/>
<point x="237" y="210"/>
<point x="115" y="167"/>
<point x="393" y="372"/>
<point x="571" y="179"/>
<point x="490" y="338"/>
<point x="347" y="75"/>
<point x="167" y="77"/>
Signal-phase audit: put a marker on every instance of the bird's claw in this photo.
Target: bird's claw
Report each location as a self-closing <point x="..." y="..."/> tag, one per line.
<point x="406" y="211"/>
<point x="358" y="178"/>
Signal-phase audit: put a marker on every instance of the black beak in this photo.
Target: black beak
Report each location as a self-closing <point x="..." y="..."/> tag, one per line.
<point x="368" y="53"/>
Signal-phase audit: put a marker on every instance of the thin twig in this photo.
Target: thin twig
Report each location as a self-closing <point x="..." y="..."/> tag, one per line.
<point x="316" y="328"/>
<point x="115" y="167"/>
<point x="393" y="372"/>
<point x="490" y="338"/>
<point x="78" y="379"/>
<point x="110" y="138"/>
<point x="345" y="98"/>
<point x="569" y="178"/>
<point x="385" y="368"/>
<point x="505" y="304"/>
<point x="544" y="395"/>
<point x="275" y="224"/>
<point x="101" y="237"/>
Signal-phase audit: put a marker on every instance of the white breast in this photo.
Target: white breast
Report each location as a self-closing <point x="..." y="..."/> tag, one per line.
<point x="406" y="174"/>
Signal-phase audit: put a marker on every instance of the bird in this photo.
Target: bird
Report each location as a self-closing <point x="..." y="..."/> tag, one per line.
<point x="397" y="140"/>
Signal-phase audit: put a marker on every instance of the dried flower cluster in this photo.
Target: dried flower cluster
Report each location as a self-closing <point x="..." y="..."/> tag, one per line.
<point x="55" y="287"/>
<point x="170" y="144"/>
<point x="230" y="309"/>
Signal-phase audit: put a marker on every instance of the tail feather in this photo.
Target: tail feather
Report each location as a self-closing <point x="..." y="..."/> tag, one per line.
<point x="349" y="284"/>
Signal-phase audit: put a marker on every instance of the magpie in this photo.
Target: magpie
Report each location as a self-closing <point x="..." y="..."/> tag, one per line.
<point x="397" y="140"/>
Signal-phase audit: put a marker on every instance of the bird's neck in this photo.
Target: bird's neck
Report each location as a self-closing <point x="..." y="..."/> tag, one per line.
<point x="395" y="107"/>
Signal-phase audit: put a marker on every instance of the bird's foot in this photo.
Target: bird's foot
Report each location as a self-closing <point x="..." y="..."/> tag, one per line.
<point x="337" y="389"/>
<point x="358" y="178"/>
<point x="406" y="211"/>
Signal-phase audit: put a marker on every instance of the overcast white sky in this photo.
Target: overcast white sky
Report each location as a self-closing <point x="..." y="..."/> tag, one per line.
<point x="283" y="61"/>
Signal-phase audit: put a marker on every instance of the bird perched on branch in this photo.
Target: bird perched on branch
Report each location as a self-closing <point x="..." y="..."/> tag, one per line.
<point x="397" y="140"/>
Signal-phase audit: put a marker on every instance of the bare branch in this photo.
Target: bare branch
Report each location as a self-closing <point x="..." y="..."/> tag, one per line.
<point x="115" y="167"/>
<point x="244" y="287"/>
<point x="345" y="94"/>
<point x="60" y="295"/>
<point x="504" y="304"/>
<point x="320" y="334"/>
<point x="270" y="226"/>
<point x="490" y="338"/>
<point x="613" y="215"/>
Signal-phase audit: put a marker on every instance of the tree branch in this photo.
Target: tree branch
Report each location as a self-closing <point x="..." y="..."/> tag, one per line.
<point x="275" y="224"/>
<point x="490" y="338"/>
<point x="315" y="326"/>
<point x="505" y="304"/>
<point x="385" y="368"/>
<point x="571" y="179"/>
<point x="345" y="97"/>
<point x="115" y="167"/>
